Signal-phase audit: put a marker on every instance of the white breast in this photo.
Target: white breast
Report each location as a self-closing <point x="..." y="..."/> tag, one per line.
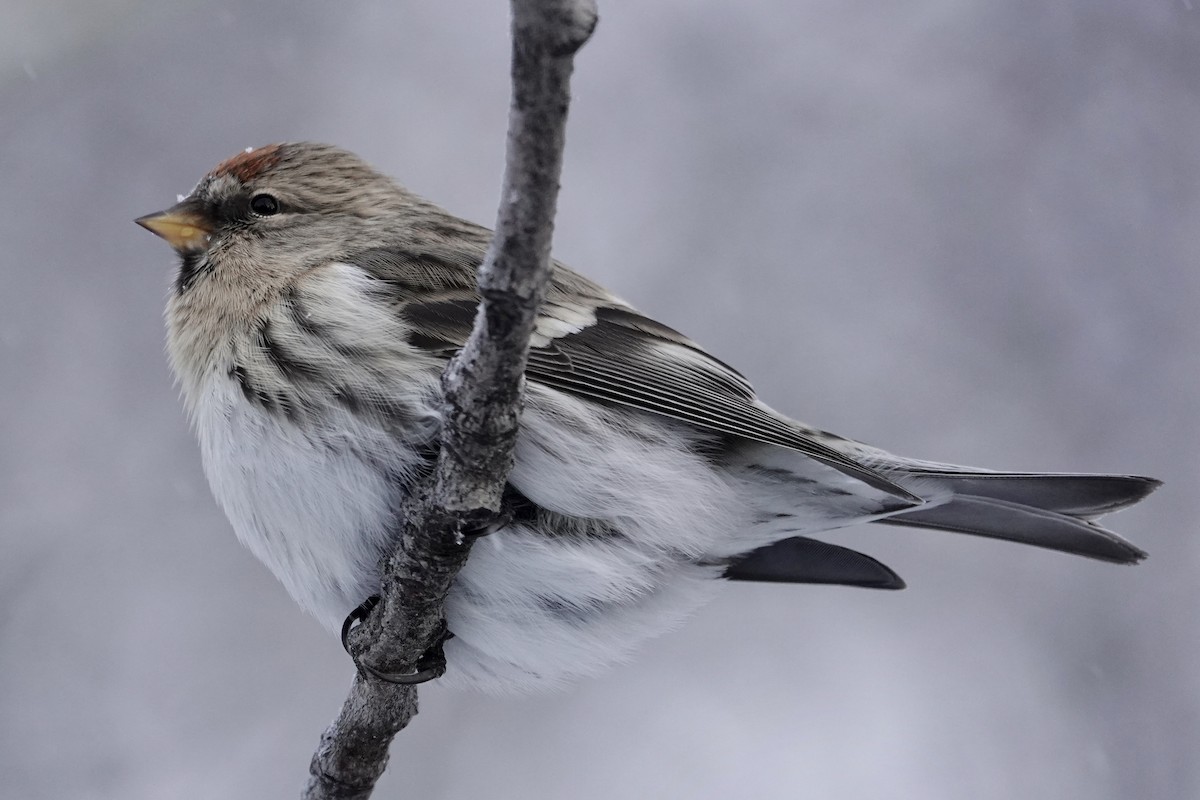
<point x="311" y="507"/>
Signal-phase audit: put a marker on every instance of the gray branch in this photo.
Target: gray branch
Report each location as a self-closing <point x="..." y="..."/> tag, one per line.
<point x="483" y="391"/>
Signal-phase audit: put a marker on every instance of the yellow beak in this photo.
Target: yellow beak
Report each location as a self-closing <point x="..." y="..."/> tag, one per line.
<point x="183" y="225"/>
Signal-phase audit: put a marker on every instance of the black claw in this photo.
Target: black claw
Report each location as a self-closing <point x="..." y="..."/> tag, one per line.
<point x="431" y="665"/>
<point x="480" y="529"/>
<point x="477" y="531"/>
<point x="356" y="616"/>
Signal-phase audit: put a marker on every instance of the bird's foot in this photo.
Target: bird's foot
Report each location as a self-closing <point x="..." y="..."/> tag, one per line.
<point x="432" y="664"/>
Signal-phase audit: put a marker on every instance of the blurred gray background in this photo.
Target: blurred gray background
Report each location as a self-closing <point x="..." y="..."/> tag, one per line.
<point x="960" y="230"/>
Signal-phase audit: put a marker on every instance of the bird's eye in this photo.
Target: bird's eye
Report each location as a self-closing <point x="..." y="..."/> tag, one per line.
<point x="264" y="205"/>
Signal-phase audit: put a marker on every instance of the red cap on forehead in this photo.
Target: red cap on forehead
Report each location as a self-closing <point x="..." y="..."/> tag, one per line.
<point x="250" y="164"/>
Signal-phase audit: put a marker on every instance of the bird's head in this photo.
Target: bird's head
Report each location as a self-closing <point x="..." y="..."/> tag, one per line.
<point x="268" y="214"/>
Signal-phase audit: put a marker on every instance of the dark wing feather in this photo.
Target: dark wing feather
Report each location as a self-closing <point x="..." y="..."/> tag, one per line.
<point x="622" y="357"/>
<point x="441" y="325"/>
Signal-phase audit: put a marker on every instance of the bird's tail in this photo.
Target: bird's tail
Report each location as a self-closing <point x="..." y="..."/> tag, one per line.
<point x="1055" y="511"/>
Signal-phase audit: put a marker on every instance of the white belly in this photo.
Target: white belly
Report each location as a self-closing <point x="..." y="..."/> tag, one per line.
<point x="316" y="510"/>
<point x="530" y="610"/>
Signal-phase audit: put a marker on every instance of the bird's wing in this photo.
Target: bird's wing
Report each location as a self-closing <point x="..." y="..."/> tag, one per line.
<point x="626" y="358"/>
<point x="592" y="345"/>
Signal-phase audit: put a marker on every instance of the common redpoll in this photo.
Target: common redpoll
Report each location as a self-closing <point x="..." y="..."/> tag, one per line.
<point x="315" y="306"/>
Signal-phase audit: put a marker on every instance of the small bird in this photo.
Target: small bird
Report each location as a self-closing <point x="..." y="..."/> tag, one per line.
<point x="315" y="306"/>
